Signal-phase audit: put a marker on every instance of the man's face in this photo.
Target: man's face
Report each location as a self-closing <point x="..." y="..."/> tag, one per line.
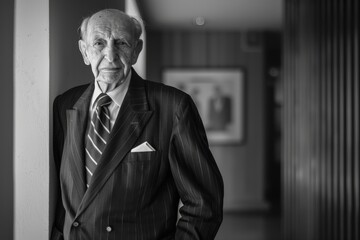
<point x="109" y="47"/>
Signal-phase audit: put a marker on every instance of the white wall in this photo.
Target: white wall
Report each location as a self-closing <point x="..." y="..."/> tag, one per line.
<point x="31" y="126"/>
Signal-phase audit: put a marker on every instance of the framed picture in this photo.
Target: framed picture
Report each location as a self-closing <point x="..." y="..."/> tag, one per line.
<point x="219" y="96"/>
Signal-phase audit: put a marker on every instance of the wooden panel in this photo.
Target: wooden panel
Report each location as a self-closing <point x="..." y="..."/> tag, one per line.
<point x="321" y="120"/>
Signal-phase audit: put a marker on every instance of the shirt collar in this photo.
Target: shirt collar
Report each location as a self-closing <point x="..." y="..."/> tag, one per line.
<point x="117" y="95"/>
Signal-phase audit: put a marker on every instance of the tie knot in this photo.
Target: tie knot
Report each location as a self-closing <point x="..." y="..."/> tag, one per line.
<point x="103" y="100"/>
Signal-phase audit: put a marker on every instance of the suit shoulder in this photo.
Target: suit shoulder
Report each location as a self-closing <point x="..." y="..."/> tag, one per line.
<point x="78" y="90"/>
<point x="161" y="89"/>
<point x="70" y="96"/>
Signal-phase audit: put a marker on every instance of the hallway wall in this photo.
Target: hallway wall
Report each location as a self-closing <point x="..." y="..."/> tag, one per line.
<point x="242" y="164"/>
<point x="321" y="141"/>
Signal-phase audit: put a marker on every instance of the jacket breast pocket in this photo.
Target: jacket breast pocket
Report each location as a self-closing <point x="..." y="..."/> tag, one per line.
<point x="135" y="177"/>
<point x="142" y="157"/>
<point x="140" y="168"/>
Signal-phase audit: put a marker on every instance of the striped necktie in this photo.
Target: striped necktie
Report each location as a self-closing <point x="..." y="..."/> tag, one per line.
<point x="97" y="136"/>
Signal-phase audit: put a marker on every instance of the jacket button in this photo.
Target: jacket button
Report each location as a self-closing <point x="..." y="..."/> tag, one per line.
<point x="75" y="224"/>
<point x="108" y="229"/>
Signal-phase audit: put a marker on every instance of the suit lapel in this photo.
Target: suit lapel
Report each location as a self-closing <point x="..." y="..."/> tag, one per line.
<point x="77" y="122"/>
<point x="132" y="118"/>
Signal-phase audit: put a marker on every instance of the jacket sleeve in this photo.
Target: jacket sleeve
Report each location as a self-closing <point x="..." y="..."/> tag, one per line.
<point x="58" y="142"/>
<point x="196" y="176"/>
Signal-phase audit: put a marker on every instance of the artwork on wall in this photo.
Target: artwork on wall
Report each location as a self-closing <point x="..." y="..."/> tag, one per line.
<point x="219" y="96"/>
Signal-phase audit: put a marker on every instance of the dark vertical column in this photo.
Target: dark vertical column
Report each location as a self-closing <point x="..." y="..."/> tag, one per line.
<point x="6" y="119"/>
<point x="349" y="109"/>
<point x="356" y="90"/>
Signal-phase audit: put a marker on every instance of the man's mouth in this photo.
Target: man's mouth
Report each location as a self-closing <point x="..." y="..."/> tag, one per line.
<point x="109" y="70"/>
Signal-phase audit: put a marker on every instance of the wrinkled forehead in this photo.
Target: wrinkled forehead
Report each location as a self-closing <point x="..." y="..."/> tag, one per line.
<point x="110" y="23"/>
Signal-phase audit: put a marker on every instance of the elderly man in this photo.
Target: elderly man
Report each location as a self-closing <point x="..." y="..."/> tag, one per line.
<point x="128" y="150"/>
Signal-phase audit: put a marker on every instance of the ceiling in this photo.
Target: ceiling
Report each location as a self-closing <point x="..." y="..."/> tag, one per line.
<point x="217" y="14"/>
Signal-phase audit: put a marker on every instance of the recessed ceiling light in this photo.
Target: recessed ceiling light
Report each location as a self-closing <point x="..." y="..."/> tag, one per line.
<point x="200" y="21"/>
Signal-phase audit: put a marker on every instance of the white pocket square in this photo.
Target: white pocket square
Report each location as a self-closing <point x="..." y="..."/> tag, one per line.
<point x="144" y="147"/>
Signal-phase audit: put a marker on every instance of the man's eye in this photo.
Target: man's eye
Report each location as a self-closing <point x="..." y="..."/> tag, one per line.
<point x="98" y="43"/>
<point x="122" y="43"/>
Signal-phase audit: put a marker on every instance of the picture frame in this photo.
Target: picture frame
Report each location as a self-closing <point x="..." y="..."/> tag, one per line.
<point x="218" y="94"/>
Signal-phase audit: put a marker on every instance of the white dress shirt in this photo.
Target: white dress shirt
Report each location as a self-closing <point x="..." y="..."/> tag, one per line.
<point x="117" y="96"/>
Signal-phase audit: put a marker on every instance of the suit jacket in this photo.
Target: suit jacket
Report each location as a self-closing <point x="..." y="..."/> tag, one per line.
<point x="135" y="195"/>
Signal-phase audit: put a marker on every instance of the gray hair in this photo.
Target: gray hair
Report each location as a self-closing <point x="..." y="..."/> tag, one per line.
<point x="82" y="30"/>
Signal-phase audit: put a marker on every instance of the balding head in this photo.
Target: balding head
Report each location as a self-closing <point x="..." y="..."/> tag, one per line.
<point x="111" y="13"/>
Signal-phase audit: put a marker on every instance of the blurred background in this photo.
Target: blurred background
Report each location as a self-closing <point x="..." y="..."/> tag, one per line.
<point x="288" y="149"/>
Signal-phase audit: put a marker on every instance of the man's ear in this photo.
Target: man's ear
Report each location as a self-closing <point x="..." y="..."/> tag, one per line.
<point x="82" y="48"/>
<point x="137" y="51"/>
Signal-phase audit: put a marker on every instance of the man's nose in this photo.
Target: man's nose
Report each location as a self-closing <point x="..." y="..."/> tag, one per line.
<point x="110" y="53"/>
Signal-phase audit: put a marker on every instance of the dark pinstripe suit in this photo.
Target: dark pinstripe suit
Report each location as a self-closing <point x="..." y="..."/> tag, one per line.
<point x="135" y="195"/>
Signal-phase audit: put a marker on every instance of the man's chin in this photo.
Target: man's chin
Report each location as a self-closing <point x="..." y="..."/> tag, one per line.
<point x="111" y="78"/>
<point x="109" y="83"/>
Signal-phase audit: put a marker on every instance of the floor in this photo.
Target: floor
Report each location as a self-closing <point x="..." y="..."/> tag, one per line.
<point x="250" y="226"/>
